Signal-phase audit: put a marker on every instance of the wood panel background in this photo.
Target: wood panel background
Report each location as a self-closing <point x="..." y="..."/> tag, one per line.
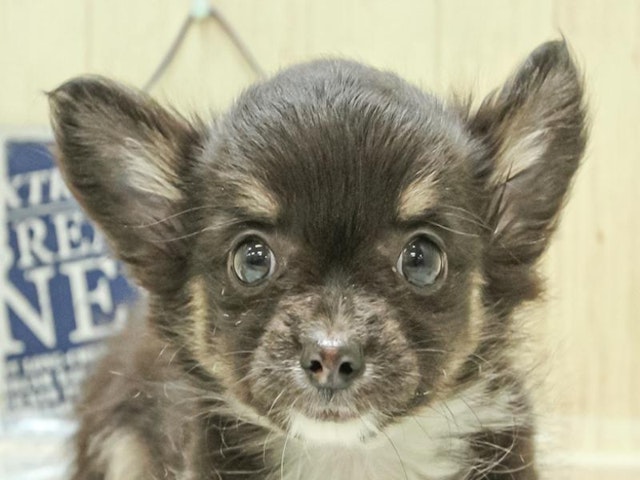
<point x="589" y="325"/>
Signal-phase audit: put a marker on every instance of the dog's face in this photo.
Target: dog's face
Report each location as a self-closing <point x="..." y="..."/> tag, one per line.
<point x="339" y="246"/>
<point x="337" y="268"/>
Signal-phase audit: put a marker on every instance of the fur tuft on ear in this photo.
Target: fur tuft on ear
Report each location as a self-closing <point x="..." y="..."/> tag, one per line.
<point x="124" y="158"/>
<point x="534" y="132"/>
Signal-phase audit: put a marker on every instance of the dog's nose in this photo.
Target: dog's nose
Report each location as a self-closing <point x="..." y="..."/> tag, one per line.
<point x="332" y="365"/>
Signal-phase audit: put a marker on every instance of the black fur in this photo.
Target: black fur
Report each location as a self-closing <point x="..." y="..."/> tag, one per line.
<point x="329" y="148"/>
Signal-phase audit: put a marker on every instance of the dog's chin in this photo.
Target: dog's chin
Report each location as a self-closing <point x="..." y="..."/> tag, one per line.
<point x="334" y="428"/>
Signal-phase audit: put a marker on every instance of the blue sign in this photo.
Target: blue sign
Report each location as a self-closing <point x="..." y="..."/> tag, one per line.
<point x="61" y="293"/>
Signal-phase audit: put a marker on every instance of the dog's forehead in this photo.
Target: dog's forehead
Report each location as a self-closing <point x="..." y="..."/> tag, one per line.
<point x="339" y="146"/>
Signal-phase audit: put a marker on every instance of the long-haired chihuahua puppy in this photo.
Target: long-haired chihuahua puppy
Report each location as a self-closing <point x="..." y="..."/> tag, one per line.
<point x="332" y="270"/>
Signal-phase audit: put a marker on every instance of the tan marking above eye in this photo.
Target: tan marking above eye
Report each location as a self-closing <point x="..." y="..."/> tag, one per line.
<point x="417" y="197"/>
<point x="255" y="199"/>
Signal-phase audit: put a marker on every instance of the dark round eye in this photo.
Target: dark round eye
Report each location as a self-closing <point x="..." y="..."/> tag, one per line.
<point x="421" y="262"/>
<point x="253" y="261"/>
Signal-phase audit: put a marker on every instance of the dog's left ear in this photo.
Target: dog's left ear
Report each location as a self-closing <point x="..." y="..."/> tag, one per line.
<point x="533" y="130"/>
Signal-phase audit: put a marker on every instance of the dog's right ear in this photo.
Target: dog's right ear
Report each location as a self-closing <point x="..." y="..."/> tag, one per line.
<point x="124" y="158"/>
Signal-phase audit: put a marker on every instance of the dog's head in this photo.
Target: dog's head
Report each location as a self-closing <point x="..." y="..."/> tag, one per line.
<point x="340" y="244"/>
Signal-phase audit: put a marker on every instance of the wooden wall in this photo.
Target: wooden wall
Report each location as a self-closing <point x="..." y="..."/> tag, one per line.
<point x="591" y="320"/>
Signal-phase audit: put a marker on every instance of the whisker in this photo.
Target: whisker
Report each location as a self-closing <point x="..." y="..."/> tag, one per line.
<point x="170" y="217"/>
<point x="452" y="230"/>
<point x="284" y="447"/>
<point x="273" y="404"/>
<point x="395" y="449"/>
<point x="193" y="234"/>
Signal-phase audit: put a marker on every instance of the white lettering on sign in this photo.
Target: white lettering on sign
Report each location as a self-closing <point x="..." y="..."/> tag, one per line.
<point x="68" y="236"/>
<point x="85" y="298"/>
<point x="37" y="187"/>
<point x="39" y="321"/>
<point x="39" y="318"/>
<point x="60" y="293"/>
<point x="31" y="235"/>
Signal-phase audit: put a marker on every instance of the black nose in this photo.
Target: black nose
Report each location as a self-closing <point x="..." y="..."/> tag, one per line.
<point x="333" y="366"/>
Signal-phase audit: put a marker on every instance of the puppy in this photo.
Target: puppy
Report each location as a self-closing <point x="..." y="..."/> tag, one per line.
<point x="332" y="270"/>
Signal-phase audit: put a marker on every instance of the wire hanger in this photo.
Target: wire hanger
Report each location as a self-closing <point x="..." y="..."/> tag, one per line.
<point x="201" y="10"/>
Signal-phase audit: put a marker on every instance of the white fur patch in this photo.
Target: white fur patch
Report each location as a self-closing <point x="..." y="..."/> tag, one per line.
<point x="149" y="169"/>
<point x="351" y="432"/>
<point x="430" y="445"/>
<point x="521" y="153"/>
<point x="122" y="455"/>
<point x="515" y="157"/>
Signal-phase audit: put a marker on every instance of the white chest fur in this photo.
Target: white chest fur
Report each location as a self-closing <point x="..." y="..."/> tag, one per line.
<point x="430" y="445"/>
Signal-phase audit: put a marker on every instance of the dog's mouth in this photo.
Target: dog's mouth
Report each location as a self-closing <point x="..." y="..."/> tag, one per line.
<point x="338" y="425"/>
<point x="349" y="416"/>
<point x="333" y="418"/>
<point x="328" y="405"/>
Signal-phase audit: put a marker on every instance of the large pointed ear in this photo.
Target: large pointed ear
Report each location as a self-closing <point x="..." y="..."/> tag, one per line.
<point x="124" y="158"/>
<point x="533" y="129"/>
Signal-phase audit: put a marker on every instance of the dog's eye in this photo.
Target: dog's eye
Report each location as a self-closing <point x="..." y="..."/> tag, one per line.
<point x="253" y="261"/>
<point x="421" y="262"/>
